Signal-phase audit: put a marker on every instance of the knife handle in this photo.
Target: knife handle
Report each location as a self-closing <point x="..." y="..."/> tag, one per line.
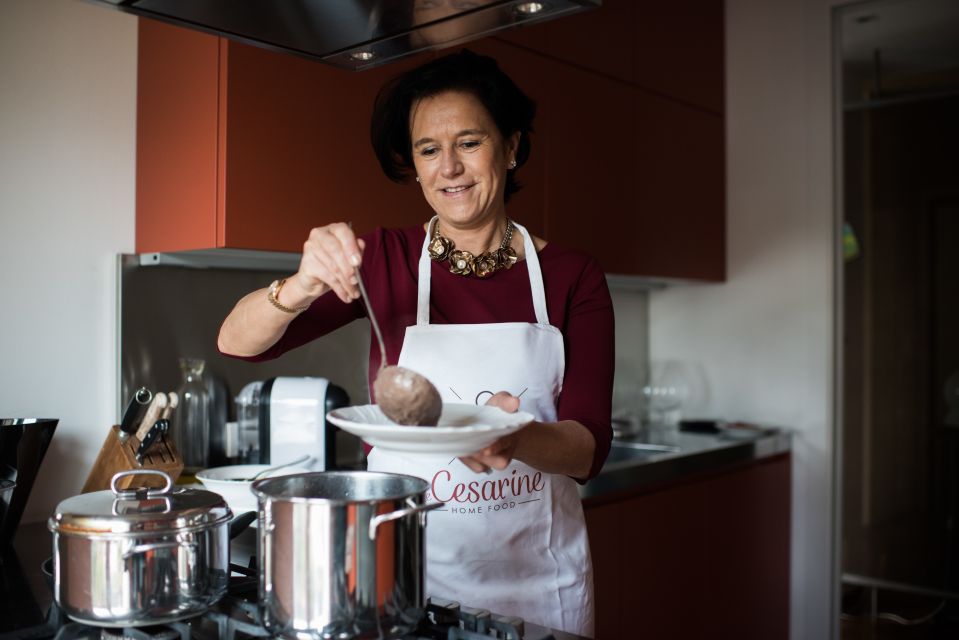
<point x="140" y="397"/>
<point x="152" y="415"/>
<point x="173" y="400"/>
<point x="151" y="437"/>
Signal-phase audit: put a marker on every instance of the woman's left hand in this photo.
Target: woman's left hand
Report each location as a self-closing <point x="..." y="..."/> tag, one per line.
<point x="499" y="454"/>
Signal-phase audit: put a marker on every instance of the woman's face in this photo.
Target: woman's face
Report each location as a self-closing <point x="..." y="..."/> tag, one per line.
<point x="460" y="157"/>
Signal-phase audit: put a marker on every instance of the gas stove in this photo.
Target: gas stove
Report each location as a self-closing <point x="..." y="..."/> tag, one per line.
<point x="28" y="613"/>
<point x="236" y="617"/>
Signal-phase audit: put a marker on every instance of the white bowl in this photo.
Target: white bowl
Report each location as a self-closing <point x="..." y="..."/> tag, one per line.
<point x="233" y="483"/>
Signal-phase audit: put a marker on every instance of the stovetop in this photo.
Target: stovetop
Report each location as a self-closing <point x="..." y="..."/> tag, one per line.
<point x="237" y="618"/>
<point x="25" y="616"/>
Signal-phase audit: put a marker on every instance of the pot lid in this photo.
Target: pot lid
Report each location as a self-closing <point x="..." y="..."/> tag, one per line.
<point x="140" y="509"/>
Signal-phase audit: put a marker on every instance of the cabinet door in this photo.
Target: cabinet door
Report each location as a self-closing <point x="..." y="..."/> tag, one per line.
<point x="534" y="75"/>
<point x="177" y="144"/>
<point x="673" y="49"/>
<point x="636" y="180"/>
<point x="298" y="152"/>
<point x="703" y="559"/>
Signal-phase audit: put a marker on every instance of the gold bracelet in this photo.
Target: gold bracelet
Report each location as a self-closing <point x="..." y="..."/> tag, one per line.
<point x="274" y="294"/>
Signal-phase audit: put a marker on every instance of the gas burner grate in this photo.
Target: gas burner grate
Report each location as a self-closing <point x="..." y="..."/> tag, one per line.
<point x="79" y="631"/>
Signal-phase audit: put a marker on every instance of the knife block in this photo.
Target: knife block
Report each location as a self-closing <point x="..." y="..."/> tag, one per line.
<point x="115" y="456"/>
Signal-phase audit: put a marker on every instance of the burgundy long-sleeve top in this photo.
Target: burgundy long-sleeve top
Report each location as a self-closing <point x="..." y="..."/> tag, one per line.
<point x="577" y="299"/>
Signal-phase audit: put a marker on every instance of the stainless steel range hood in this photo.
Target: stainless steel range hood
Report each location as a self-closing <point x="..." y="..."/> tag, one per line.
<point x="351" y="34"/>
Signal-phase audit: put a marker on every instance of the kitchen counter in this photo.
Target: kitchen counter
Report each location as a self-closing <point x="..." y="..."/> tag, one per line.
<point x="664" y="455"/>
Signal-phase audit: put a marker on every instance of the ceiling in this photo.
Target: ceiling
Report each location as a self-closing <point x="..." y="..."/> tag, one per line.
<point x="916" y="43"/>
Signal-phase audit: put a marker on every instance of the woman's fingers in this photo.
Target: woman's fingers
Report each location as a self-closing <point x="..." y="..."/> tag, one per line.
<point x="347" y="239"/>
<point x="474" y="465"/>
<point x="505" y="401"/>
<point x="329" y="258"/>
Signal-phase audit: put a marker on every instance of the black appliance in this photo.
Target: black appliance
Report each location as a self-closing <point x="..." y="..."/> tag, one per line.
<point x="23" y="443"/>
<point x="351" y="34"/>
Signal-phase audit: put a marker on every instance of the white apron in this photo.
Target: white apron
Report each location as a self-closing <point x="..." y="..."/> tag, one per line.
<point x="512" y="541"/>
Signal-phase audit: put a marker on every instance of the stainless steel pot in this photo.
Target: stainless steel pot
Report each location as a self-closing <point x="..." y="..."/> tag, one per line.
<point x="342" y="554"/>
<point x="138" y="556"/>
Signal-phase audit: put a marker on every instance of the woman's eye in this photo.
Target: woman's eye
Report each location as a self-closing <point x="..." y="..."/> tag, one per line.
<point x="428" y="151"/>
<point x="470" y="144"/>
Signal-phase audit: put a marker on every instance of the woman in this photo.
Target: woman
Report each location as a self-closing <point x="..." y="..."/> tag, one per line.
<point x="488" y="313"/>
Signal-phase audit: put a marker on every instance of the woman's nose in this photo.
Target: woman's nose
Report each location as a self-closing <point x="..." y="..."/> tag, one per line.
<point x="451" y="164"/>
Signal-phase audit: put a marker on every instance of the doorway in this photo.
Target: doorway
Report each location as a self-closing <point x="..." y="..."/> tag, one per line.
<point x="900" y="318"/>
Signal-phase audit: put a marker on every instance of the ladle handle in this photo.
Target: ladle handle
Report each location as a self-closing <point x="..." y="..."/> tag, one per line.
<point x="372" y="316"/>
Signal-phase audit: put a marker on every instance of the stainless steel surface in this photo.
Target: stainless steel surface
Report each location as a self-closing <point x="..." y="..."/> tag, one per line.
<point x="351" y="34"/>
<point x="269" y="470"/>
<point x="323" y="573"/>
<point x="637" y="463"/>
<point x="372" y="317"/>
<point x="137" y="557"/>
<point x="195" y="302"/>
<point x="245" y="259"/>
<point x="125" y="513"/>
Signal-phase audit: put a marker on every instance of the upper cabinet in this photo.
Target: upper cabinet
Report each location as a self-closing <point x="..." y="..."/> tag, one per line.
<point x="246" y="148"/>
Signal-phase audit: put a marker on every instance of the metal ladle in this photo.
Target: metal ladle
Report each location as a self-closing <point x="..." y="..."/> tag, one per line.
<point x="404" y="396"/>
<point x="268" y="471"/>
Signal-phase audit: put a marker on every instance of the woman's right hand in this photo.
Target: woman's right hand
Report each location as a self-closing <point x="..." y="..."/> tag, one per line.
<point x="330" y="256"/>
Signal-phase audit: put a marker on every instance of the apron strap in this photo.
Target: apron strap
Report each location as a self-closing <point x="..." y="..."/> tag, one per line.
<point x="532" y="266"/>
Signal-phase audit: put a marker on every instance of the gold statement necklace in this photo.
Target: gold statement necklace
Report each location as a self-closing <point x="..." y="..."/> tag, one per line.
<point x="465" y="263"/>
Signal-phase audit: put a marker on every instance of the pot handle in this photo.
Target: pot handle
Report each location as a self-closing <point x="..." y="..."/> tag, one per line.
<point x="154" y="546"/>
<point x="401" y="513"/>
<point x="141" y="472"/>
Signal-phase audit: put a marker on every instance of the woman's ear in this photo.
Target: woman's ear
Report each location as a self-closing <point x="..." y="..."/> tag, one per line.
<point x="512" y="145"/>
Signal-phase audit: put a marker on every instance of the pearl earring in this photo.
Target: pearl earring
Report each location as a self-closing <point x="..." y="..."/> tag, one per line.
<point x="512" y="164"/>
<point x="417" y="178"/>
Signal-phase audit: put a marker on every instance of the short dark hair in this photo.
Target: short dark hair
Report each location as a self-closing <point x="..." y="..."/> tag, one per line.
<point x="466" y="71"/>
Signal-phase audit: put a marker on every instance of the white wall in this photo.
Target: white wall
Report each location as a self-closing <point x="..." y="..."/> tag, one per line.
<point x="67" y="133"/>
<point x="765" y="338"/>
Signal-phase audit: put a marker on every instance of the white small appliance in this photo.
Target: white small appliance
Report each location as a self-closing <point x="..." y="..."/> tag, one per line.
<point x="282" y="419"/>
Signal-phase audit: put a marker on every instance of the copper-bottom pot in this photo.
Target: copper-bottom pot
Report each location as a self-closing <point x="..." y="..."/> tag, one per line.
<point x="342" y="554"/>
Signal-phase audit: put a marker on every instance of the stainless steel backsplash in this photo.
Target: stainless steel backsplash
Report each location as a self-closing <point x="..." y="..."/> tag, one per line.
<point x="168" y="312"/>
<point x="171" y="312"/>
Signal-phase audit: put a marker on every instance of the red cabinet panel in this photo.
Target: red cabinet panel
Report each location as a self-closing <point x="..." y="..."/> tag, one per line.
<point x="674" y="49"/>
<point x="246" y="148"/>
<point x="298" y="153"/>
<point x="177" y="96"/>
<point x="634" y="179"/>
<point x="702" y="559"/>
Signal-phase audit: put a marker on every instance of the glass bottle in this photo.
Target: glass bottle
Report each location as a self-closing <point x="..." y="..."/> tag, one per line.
<point x="191" y="428"/>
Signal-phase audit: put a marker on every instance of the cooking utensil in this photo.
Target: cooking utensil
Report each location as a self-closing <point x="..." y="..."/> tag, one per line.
<point x="128" y="423"/>
<point x="173" y="401"/>
<point x="405" y="396"/>
<point x="269" y="470"/>
<point x="159" y="427"/>
<point x="137" y="557"/>
<point x="156" y="407"/>
<point x="342" y="553"/>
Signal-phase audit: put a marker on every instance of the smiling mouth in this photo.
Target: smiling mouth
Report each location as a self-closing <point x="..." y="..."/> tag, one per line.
<point x="459" y="189"/>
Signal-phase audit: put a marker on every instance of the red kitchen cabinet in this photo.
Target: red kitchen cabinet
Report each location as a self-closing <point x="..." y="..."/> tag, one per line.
<point x="707" y="558"/>
<point x="241" y="147"/>
<point x="245" y="148"/>
<point x="672" y="49"/>
<point x="632" y="178"/>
